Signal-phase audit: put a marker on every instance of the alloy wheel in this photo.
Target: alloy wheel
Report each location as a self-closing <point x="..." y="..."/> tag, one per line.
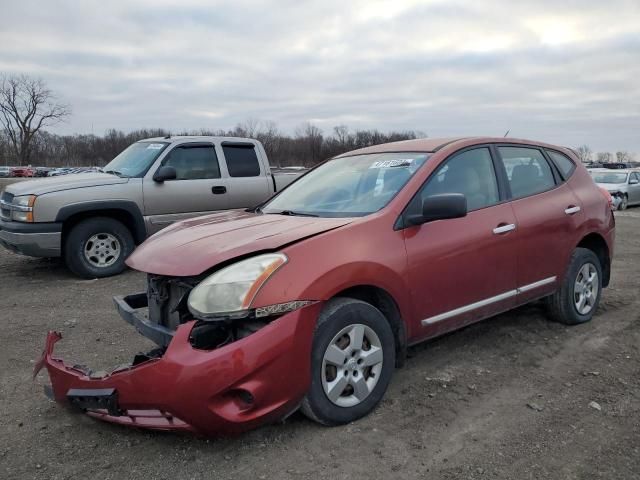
<point x="352" y="365"/>
<point x="585" y="290"/>
<point x="102" y="250"/>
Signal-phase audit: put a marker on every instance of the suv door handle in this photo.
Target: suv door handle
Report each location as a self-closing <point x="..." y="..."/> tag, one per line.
<point x="571" y="210"/>
<point x="218" y="190"/>
<point x="500" y="229"/>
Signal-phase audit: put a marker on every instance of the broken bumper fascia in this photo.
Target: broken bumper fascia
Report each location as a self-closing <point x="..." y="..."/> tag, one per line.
<point x="258" y="379"/>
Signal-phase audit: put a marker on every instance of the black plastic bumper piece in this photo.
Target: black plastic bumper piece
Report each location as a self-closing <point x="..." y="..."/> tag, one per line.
<point x="95" y="399"/>
<point x="130" y="309"/>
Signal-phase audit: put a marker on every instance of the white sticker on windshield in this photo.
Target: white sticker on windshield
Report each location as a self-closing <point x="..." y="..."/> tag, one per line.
<point x="401" y="162"/>
<point x="155" y="146"/>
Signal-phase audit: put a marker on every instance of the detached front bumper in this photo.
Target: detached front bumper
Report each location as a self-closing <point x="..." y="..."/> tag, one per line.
<point x="258" y="379"/>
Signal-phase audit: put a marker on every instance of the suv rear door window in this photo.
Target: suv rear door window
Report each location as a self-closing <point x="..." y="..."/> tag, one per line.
<point x="193" y="162"/>
<point x="470" y="173"/>
<point x="242" y="160"/>
<point x="527" y="171"/>
<point x="564" y="164"/>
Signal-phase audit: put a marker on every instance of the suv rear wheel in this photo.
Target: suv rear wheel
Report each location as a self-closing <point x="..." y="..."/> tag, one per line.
<point x="97" y="247"/>
<point x="352" y="360"/>
<point x="578" y="297"/>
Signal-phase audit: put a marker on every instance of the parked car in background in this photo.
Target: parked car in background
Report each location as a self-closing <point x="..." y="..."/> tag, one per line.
<point x="94" y="220"/>
<point x="622" y="184"/>
<point x="41" y="171"/>
<point x="5" y="172"/>
<point x="22" y="172"/>
<point x="311" y="299"/>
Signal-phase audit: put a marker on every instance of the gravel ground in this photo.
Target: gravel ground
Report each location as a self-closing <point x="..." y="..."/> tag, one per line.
<point x="510" y="397"/>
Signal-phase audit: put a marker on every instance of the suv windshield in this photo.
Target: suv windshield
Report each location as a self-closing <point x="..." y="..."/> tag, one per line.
<point x="348" y="187"/>
<point x="136" y="159"/>
<point x="606" y="177"/>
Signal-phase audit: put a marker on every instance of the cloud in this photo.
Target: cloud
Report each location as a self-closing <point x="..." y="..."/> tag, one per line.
<point x="564" y="72"/>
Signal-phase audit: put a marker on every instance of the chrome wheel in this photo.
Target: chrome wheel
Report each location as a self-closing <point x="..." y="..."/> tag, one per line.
<point x="102" y="250"/>
<point x="585" y="289"/>
<point x="351" y="365"/>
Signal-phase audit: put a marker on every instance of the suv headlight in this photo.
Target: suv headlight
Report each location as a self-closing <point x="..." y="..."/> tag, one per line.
<point x="22" y="208"/>
<point x="232" y="289"/>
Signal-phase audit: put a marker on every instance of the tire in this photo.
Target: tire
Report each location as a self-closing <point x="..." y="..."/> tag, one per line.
<point x="107" y="243"/>
<point x="564" y="305"/>
<point x="624" y="203"/>
<point x="339" y="323"/>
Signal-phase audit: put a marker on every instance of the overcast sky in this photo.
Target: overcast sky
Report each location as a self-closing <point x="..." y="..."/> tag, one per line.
<point x="566" y="72"/>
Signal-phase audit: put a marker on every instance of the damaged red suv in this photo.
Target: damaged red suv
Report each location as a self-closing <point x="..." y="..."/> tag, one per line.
<point x="310" y="300"/>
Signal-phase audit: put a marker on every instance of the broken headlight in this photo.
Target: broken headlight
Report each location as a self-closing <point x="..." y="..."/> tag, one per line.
<point x="230" y="291"/>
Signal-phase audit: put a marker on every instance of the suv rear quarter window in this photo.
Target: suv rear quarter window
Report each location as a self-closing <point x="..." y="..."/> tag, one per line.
<point x="564" y="163"/>
<point x="528" y="172"/>
<point x="242" y="160"/>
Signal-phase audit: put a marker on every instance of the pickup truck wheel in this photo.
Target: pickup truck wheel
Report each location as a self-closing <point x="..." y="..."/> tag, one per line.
<point x="577" y="298"/>
<point x="352" y="361"/>
<point x="98" y="247"/>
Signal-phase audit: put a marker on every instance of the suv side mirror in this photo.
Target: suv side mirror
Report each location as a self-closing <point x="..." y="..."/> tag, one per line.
<point x="165" y="173"/>
<point x="440" y="207"/>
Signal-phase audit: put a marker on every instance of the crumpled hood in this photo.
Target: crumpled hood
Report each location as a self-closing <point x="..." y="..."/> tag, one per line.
<point x="63" y="182"/>
<point x="193" y="246"/>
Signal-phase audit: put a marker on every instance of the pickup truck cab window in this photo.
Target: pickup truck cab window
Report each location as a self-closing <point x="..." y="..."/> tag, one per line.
<point x="528" y="172"/>
<point x="136" y="159"/>
<point x="470" y="173"/>
<point x="193" y="162"/>
<point x="352" y="186"/>
<point x="242" y="160"/>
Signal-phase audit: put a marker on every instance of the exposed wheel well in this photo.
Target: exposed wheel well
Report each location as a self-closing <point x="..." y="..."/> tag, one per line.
<point x="121" y="215"/>
<point x="597" y="245"/>
<point x="383" y="301"/>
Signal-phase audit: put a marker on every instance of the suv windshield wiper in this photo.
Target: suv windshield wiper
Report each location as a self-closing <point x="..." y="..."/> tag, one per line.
<point x="295" y="214"/>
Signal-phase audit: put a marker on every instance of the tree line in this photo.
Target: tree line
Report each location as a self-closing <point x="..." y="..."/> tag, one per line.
<point x="308" y="146"/>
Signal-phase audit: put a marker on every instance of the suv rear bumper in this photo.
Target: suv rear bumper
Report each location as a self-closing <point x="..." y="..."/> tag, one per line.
<point x="32" y="239"/>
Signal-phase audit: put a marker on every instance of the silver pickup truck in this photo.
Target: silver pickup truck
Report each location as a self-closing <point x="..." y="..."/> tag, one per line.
<point x="95" y="220"/>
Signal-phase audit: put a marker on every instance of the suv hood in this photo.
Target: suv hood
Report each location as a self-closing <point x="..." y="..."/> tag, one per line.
<point x="193" y="246"/>
<point x="63" y="182"/>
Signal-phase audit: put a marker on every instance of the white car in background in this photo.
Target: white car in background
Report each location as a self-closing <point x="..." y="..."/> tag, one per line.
<point x="622" y="184"/>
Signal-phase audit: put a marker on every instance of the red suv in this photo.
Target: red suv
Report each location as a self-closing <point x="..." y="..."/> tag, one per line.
<point x="311" y="299"/>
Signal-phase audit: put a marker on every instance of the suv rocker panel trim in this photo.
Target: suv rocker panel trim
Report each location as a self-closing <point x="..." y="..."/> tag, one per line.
<point x="486" y="301"/>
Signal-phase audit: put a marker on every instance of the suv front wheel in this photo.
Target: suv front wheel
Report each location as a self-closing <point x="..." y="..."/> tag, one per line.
<point x="97" y="247"/>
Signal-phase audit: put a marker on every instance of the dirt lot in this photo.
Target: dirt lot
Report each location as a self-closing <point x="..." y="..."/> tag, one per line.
<point x="506" y="398"/>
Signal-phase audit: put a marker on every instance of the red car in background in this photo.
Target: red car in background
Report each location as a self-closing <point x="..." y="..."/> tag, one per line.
<point x="311" y="299"/>
<point x="23" y="172"/>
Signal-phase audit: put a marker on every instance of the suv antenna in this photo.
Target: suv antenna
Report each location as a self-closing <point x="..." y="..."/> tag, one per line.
<point x="507" y="133"/>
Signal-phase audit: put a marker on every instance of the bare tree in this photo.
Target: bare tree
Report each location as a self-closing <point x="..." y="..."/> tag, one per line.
<point x="26" y="106"/>
<point x="584" y="153"/>
<point x="623" y="156"/>
<point x="604" y="157"/>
